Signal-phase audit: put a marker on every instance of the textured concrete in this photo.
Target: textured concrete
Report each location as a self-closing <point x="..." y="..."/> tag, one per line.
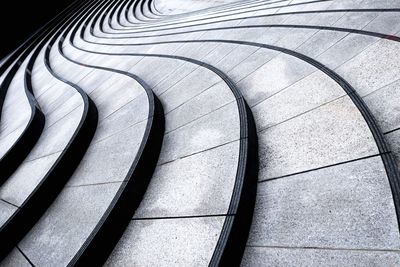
<point x="6" y="211"/>
<point x="345" y="206"/>
<point x="217" y="128"/>
<point x="53" y="241"/>
<point x="16" y="259"/>
<point x="181" y="242"/>
<point x="196" y="185"/>
<point x="23" y="182"/>
<point x="315" y="139"/>
<point x="324" y="196"/>
<point x="265" y="256"/>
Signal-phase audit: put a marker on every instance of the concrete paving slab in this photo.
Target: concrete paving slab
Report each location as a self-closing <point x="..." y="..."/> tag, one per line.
<point x="318" y="257"/>
<point x="7" y="210"/>
<point x="347" y="206"/>
<point x="276" y="74"/>
<point x="63" y="229"/>
<point x="15" y="258"/>
<point x="201" y="184"/>
<point x="374" y="68"/>
<point x="309" y="93"/>
<point x="318" y="138"/>
<point x="182" y="242"/>
<point x="206" y="102"/>
<point x="26" y="178"/>
<point x="217" y="128"/>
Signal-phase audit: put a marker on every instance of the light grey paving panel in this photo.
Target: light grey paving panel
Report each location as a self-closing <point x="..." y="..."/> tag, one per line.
<point x="155" y="69"/>
<point x="254" y="257"/>
<point x="174" y="48"/>
<point x="308" y="7"/>
<point x="322" y="19"/>
<point x="235" y="57"/>
<point x="320" y="42"/>
<point x="200" y="184"/>
<point x="175" y="76"/>
<point x="385" y="105"/>
<point x="204" y="103"/>
<point x="321" y="137"/>
<point x="7" y="141"/>
<point x="15" y="259"/>
<point x="380" y="4"/>
<point x="356" y="20"/>
<point x="42" y="79"/>
<point x="6" y="211"/>
<point x="109" y="159"/>
<point x="347" y="206"/>
<point x="217" y="128"/>
<point x="188" y="50"/>
<point x="55" y="138"/>
<point x="375" y="67"/>
<point x="134" y="112"/>
<point x="345" y="49"/>
<point x="55" y="96"/>
<point x="221" y="51"/>
<point x="168" y="75"/>
<point x="63" y="229"/>
<point x="251" y="64"/>
<point x="65" y="69"/>
<point x="309" y="93"/>
<point x="179" y="6"/>
<point x="275" y="75"/>
<point x="238" y="34"/>
<point x="115" y="94"/>
<point x="63" y="109"/>
<point x="17" y="111"/>
<point x="386" y="22"/>
<point x="26" y="178"/>
<point x="14" y="120"/>
<point x="342" y="4"/>
<point x="168" y="242"/>
<point x="187" y="89"/>
<point x="17" y="97"/>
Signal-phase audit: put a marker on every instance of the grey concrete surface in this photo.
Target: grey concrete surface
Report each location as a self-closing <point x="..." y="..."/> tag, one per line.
<point x="15" y="259"/>
<point x="200" y="184"/>
<point x="6" y="211"/>
<point x="271" y="256"/>
<point x="321" y="137"/>
<point x="98" y="182"/>
<point x="23" y="182"/>
<point x="323" y="195"/>
<point x="347" y="206"/>
<point x="166" y="242"/>
<point x="63" y="229"/>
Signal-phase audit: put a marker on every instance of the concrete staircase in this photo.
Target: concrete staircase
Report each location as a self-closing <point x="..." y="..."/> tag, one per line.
<point x="197" y="132"/>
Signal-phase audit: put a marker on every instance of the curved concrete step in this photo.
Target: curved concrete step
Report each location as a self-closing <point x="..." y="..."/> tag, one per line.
<point x="71" y="120"/>
<point x="22" y="121"/>
<point x="122" y="177"/>
<point x="18" y="140"/>
<point x="320" y="77"/>
<point x="178" y="124"/>
<point x="381" y="186"/>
